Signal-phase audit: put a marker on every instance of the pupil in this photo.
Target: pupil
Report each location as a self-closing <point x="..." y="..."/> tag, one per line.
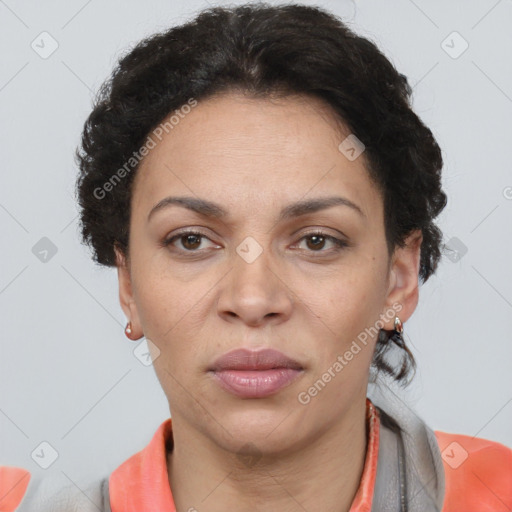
<point x="319" y="240"/>
<point x="188" y="241"/>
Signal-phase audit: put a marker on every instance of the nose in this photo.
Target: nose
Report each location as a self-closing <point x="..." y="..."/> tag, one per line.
<point x="255" y="293"/>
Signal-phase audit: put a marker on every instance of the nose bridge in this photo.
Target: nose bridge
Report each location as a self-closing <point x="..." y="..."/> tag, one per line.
<point x="255" y="290"/>
<point x="252" y="265"/>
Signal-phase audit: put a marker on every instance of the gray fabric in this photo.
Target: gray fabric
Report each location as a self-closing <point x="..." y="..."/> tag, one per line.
<point x="56" y="494"/>
<point x="410" y="474"/>
<point x="422" y="485"/>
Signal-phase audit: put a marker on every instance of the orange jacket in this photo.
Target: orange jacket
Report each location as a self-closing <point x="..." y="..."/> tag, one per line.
<point x="478" y="477"/>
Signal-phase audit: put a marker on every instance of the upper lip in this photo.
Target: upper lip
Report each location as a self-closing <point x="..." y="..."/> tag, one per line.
<point x="245" y="359"/>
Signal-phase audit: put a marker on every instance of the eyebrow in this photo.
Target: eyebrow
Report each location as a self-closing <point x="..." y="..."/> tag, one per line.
<point x="210" y="209"/>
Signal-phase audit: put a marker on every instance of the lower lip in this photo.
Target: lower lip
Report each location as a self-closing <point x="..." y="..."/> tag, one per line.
<point x="256" y="383"/>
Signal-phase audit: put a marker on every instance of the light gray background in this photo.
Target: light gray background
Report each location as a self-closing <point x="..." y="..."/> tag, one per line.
<point x="68" y="374"/>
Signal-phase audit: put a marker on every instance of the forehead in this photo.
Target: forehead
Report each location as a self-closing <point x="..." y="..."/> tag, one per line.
<point x="232" y="147"/>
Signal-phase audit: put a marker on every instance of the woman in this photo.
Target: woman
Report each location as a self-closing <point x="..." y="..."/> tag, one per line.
<point x="264" y="189"/>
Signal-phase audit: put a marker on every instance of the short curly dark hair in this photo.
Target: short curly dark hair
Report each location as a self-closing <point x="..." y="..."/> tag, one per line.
<point x="263" y="50"/>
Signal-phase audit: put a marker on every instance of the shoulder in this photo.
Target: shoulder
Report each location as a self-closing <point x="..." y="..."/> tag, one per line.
<point x="13" y="486"/>
<point x="478" y="473"/>
<point x="22" y="491"/>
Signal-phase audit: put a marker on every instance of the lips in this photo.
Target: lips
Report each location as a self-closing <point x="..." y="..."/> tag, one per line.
<point x="244" y="359"/>
<point x="255" y="374"/>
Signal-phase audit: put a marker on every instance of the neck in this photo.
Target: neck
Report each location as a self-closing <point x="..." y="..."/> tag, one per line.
<point x="321" y="475"/>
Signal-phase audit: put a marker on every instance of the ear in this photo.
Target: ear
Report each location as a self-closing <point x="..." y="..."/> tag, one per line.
<point x="403" y="279"/>
<point x="126" y="298"/>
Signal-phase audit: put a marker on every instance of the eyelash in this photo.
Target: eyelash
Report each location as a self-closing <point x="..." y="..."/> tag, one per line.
<point x="338" y="243"/>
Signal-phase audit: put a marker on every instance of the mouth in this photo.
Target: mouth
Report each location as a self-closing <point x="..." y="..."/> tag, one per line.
<point x="245" y="359"/>
<point x="255" y="374"/>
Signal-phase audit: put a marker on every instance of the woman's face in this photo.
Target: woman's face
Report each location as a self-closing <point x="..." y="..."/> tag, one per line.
<point x="258" y="277"/>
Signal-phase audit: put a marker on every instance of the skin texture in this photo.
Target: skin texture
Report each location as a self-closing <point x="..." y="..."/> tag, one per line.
<point x="254" y="157"/>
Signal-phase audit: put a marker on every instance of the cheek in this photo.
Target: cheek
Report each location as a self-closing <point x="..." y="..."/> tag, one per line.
<point x="348" y="301"/>
<point x="162" y="298"/>
<point x="172" y="313"/>
<point x="158" y="308"/>
<point x="348" y="307"/>
<point x="161" y="303"/>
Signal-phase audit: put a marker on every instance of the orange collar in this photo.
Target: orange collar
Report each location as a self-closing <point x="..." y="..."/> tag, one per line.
<point x="142" y="482"/>
<point x="364" y="496"/>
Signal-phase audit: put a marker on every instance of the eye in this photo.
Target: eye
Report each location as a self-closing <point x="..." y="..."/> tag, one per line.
<point x="316" y="240"/>
<point x="190" y="240"/>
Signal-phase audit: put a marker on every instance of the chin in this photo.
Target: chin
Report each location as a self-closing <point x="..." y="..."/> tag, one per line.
<point x="266" y="426"/>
